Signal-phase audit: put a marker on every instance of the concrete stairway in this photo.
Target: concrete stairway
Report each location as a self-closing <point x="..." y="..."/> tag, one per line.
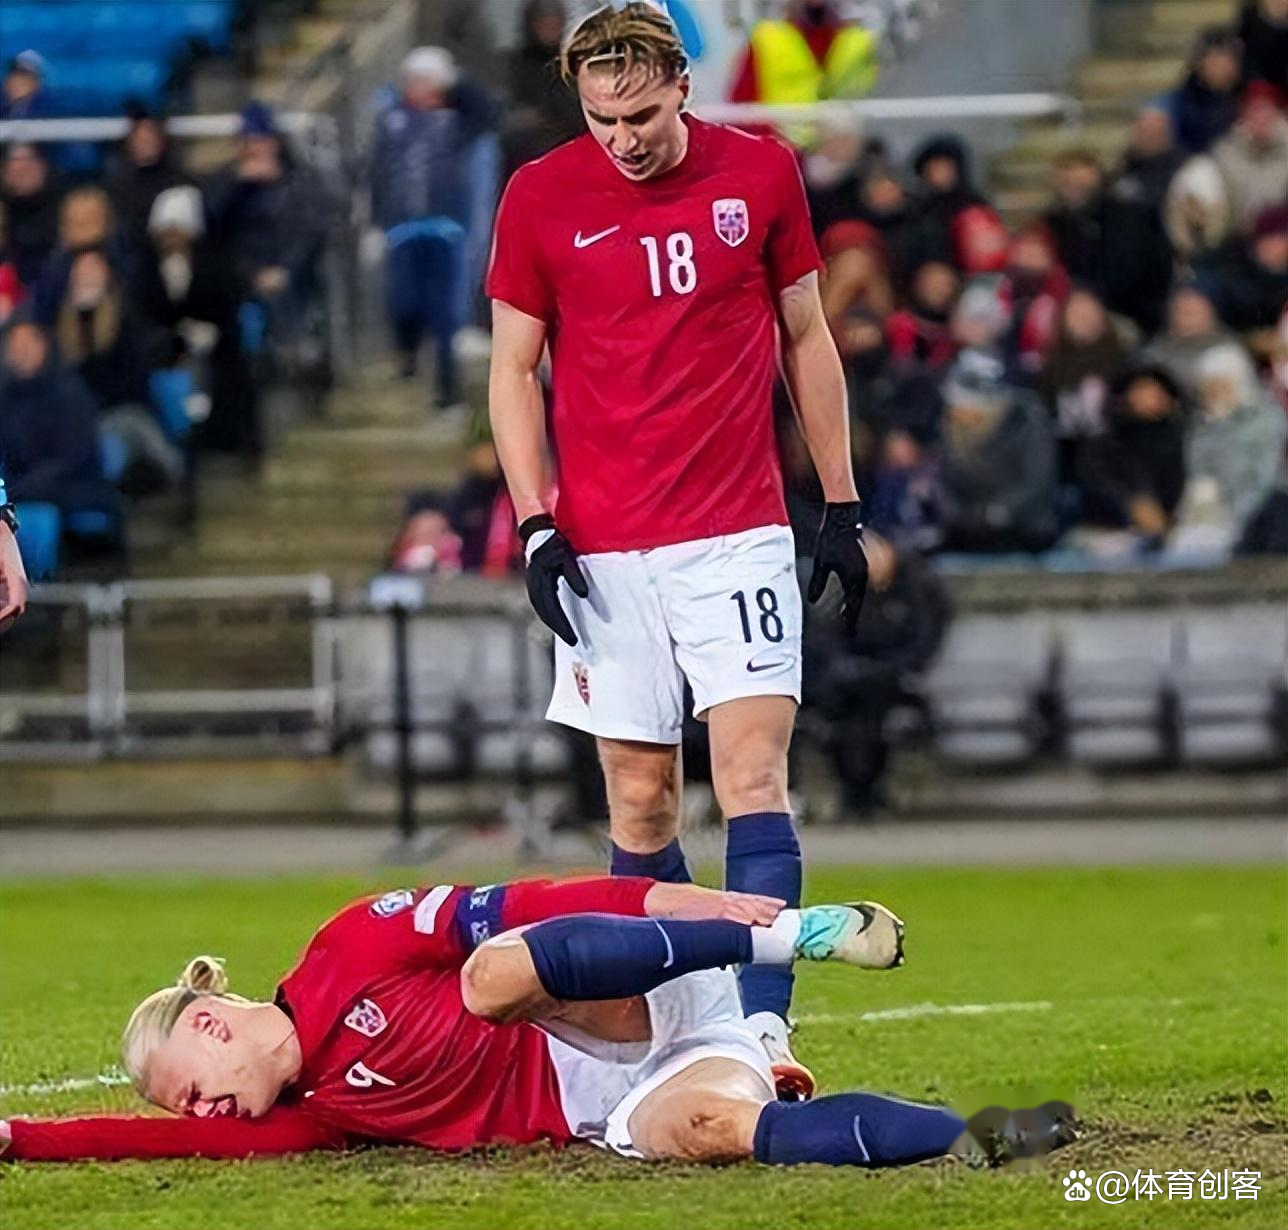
<point x="1141" y="52"/>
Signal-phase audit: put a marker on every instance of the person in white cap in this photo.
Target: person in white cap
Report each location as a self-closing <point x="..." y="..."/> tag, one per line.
<point x="434" y="170"/>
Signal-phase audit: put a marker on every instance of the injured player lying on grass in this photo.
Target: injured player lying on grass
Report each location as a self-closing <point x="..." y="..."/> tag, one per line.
<point x="602" y="1010"/>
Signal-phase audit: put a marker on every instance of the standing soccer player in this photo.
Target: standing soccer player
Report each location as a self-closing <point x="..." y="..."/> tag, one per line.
<point x="669" y="264"/>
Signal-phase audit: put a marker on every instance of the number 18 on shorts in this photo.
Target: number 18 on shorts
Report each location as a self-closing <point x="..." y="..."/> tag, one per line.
<point x="724" y="612"/>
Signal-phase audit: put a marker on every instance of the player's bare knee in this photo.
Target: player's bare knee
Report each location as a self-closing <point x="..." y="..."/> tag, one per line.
<point x="745" y="787"/>
<point x="694" y="1126"/>
<point x="499" y="982"/>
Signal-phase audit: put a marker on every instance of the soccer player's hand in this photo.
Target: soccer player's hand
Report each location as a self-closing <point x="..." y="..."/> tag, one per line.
<point x="13" y="579"/>
<point x="839" y="549"/>
<point x="6" y="1136"/>
<point x="551" y="559"/>
<point x="694" y="904"/>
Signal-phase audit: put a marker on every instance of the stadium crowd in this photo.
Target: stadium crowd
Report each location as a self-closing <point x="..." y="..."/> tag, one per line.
<point x="1109" y="379"/>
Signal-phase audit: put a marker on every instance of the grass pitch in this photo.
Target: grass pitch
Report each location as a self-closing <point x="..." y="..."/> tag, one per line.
<point x="1155" y="1001"/>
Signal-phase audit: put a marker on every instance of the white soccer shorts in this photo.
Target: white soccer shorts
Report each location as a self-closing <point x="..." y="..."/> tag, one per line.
<point x="724" y="612"/>
<point x="695" y="1017"/>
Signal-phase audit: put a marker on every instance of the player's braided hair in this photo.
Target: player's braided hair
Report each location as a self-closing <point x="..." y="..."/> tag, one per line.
<point x="152" y="1021"/>
<point x="621" y="38"/>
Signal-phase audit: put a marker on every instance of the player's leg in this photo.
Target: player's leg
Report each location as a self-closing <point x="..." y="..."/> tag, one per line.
<point x="644" y="784"/>
<point x="720" y="1110"/>
<point x="750" y="737"/>
<point x="527" y="974"/>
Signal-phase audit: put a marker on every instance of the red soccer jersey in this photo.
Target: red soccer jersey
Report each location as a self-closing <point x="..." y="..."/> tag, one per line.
<point x="661" y="301"/>
<point x="389" y="1051"/>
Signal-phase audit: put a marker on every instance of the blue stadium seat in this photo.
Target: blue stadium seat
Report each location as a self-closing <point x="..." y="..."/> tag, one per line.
<point x="94" y="87"/>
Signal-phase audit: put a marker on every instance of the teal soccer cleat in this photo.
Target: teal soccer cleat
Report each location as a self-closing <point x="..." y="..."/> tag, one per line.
<point x="862" y="933"/>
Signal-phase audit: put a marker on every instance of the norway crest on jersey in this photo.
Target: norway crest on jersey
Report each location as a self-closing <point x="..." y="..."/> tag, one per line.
<point x="366" y="1018"/>
<point x="731" y="220"/>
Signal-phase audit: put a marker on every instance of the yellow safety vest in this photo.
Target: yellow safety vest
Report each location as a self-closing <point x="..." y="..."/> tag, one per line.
<point x="787" y="72"/>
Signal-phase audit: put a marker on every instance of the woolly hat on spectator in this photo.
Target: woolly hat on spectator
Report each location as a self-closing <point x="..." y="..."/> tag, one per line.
<point x="977" y="378"/>
<point x="431" y="64"/>
<point x="1272" y="221"/>
<point x="28" y="62"/>
<point x="257" y="120"/>
<point x="178" y="209"/>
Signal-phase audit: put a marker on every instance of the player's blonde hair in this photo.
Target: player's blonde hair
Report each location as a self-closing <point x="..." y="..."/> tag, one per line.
<point x="620" y="39"/>
<point x="151" y="1023"/>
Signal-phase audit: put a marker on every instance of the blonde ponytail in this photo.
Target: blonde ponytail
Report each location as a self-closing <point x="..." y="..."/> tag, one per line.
<point x="151" y="1023"/>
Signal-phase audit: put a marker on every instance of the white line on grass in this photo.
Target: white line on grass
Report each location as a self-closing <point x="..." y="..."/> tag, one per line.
<point x="109" y="1079"/>
<point x="913" y="1011"/>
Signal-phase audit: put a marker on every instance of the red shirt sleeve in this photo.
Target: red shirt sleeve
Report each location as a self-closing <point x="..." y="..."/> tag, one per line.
<point x="109" y="1138"/>
<point x="517" y="273"/>
<point x="791" y="248"/>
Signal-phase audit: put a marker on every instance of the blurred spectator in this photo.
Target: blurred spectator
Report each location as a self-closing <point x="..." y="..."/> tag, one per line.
<point x="543" y="112"/>
<point x="434" y="174"/>
<point x="98" y="335"/>
<point x="982" y="315"/>
<point x="29" y="191"/>
<point x="1085" y="359"/>
<point x="146" y="165"/>
<point x="86" y="223"/>
<point x="1263" y="27"/>
<point x="810" y="54"/>
<point x="920" y="335"/>
<point x="12" y="291"/>
<point x="1113" y="246"/>
<point x="1193" y="328"/>
<point x="856" y="279"/>
<point x="1036" y="286"/>
<point x="189" y="295"/>
<point x="1196" y="214"/>
<point x="1133" y="476"/>
<point x="902" y="496"/>
<point x="996" y="488"/>
<point x="1267" y="532"/>
<point x="883" y="203"/>
<point x="1237" y="441"/>
<point x="270" y="213"/>
<point x="1151" y="160"/>
<point x="23" y="96"/>
<point x="854" y="682"/>
<point x="1253" y="157"/>
<point x="48" y="427"/>
<point x="950" y="207"/>
<point x="1249" y="282"/>
<point x="1206" y="104"/>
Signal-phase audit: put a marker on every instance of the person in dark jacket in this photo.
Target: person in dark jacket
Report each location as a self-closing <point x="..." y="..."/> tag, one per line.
<point x="48" y="427"/>
<point x="1263" y="29"/>
<point x="1248" y="282"/>
<point x="920" y="336"/>
<point x="996" y="489"/>
<point x="146" y="166"/>
<point x="1133" y="476"/>
<point x="951" y="207"/>
<point x="270" y="213"/>
<point x="543" y="112"/>
<point x="189" y="299"/>
<point x="30" y="191"/>
<point x="853" y="683"/>
<point x="1151" y="160"/>
<point x="23" y="95"/>
<point x="1205" y="105"/>
<point x="434" y="173"/>
<point x="1117" y="247"/>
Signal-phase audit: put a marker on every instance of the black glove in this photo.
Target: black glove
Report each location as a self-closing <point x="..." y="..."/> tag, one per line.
<point x="549" y="560"/>
<point x="839" y="549"/>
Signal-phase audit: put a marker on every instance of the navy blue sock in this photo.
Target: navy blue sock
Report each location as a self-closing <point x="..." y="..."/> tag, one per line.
<point x="666" y="864"/>
<point x="854" y="1129"/>
<point x="763" y="856"/>
<point x="604" y="956"/>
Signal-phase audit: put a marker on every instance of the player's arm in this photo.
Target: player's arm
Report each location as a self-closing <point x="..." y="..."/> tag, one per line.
<point x="108" y="1138"/>
<point x="517" y="408"/>
<point x="816" y="381"/>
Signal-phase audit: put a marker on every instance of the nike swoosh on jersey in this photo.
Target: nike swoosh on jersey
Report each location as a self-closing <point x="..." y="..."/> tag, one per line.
<point x="579" y="242"/>
<point x="768" y="666"/>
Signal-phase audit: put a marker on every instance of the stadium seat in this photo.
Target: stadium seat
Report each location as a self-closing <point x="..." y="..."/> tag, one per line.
<point x="984" y="690"/>
<point x="1232" y="687"/>
<point x="1114" y="686"/>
